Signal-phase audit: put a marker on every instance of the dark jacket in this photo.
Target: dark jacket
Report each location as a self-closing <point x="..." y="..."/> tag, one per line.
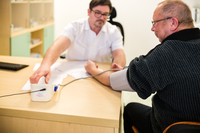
<point x="172" y="71"/>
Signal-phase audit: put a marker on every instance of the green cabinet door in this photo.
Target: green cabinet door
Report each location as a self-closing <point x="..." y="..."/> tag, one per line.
<point x="20" y="45"/>
<point x="48" y="39"/>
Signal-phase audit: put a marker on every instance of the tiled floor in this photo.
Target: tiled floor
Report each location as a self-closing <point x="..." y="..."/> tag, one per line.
<point x="128" y="97"/>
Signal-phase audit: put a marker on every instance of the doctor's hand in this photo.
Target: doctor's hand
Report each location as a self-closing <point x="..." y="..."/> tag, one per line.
<point x="42" y="71"/>
<point x="90" y="67"/>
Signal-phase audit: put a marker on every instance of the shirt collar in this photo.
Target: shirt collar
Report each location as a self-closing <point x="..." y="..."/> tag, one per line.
<point x="184" y="35"/>
<point x="87" y="26"/>
<point x="104" y="28"/>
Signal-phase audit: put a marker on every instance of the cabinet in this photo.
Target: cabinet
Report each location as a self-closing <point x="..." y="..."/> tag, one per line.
<point x="20" y="45"/>
<point x="27" y="27"/>
<point x="48" y="37"/>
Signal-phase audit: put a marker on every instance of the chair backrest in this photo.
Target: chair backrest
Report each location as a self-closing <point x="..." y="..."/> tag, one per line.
<point x="180" y="127"/>
<point x="135" y="129"/>
<point x="113" y="15"/>
<point x="183" y="127"/>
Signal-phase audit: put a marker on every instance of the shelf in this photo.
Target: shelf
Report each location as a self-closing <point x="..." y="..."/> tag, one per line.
<point x="38" y="27"/>
<point x="23" y="21"/>
<point x="19" y="32"/>
<point x="35" y="45"/>
<point x="35" y="28"/>
<point x="25" y="2"/>
<point x="47" y="1"/>
<point x="33" y="2"/>
<point x="19" y="2"/>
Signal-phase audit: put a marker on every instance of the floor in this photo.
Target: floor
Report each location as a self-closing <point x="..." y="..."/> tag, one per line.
<point x="128" y="97"/>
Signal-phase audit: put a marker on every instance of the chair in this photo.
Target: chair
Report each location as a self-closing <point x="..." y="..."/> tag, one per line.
<point x="183" y="127"/>
<point x="63" y="56"/>
<point x="135" y="129"/>
<point x="113" y="14"/>
<point x="180" y="127"/>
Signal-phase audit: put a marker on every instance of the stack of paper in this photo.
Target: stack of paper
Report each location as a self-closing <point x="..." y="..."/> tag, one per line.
<point x="61" y="70"/>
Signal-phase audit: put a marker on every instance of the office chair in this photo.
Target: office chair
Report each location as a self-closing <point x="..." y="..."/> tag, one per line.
<point x="135" y="129"/>
<point x="183" y="127"/>
<point x="180" y="127"/>
<point x="63" y="56"/>
<point x="113" y="14"/>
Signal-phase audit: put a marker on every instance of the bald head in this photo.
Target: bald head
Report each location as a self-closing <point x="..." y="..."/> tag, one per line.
<point x="169" y="17"/>
<point x="177" y="9"/>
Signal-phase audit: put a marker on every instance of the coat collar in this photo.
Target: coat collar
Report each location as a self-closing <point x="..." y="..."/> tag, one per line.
<point x="184" y="35"/>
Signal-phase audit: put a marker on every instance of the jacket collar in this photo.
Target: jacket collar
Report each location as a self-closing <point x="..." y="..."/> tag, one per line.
<point x="184" y="35"/>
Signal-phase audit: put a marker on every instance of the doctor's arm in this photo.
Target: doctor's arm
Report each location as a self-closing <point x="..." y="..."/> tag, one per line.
<point x="118" y="58"/>
<point x="52" y="54"/>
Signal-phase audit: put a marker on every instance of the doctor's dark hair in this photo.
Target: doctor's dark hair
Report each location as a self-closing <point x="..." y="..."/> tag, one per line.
<point x="95" y="3"/>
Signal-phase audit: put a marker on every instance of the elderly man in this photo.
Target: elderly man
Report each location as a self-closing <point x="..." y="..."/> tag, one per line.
<point x="92" y="38"/>
<point x="170" y="70"/>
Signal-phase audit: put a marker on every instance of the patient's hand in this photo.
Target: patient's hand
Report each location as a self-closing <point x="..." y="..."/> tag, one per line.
<point x="90" y="66"/>
<point x="116" y="66"/>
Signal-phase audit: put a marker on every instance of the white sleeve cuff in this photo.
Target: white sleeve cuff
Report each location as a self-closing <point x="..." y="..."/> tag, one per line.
<point x="119" y="82"/>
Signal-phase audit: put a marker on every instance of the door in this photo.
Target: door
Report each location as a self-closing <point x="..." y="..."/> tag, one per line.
<point x="20" y="45"/>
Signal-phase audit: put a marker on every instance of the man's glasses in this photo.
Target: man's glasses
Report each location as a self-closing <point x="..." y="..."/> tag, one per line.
<point x="98" y="14"/>
<point x="154" y="22"/>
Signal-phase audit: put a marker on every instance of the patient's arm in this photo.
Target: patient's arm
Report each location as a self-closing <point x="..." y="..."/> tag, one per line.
<point x="92" y="68"/>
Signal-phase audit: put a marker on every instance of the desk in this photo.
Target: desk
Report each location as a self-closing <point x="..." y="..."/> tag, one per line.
<point x="84" y="106"/>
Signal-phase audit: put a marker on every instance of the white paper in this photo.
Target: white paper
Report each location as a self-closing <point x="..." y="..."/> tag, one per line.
<point x="56" y="78"/>
<point x="71" y="66"/>
<point x="79" y="73"/>
<point x="59" y="71"/>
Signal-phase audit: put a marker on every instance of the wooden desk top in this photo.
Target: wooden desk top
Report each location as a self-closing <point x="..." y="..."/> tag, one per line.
<point x="83" y="102"/>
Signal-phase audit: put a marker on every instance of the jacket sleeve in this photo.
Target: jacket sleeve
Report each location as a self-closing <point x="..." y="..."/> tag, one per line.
<point x="139" y="77"/>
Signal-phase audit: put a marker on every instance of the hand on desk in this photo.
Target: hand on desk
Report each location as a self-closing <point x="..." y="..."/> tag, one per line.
<point x="92" y="68"/>
<point x="42" y="71"/>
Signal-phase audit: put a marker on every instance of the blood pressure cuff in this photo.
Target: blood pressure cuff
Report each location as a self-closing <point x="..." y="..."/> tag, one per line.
<point x="119" y="82"/>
